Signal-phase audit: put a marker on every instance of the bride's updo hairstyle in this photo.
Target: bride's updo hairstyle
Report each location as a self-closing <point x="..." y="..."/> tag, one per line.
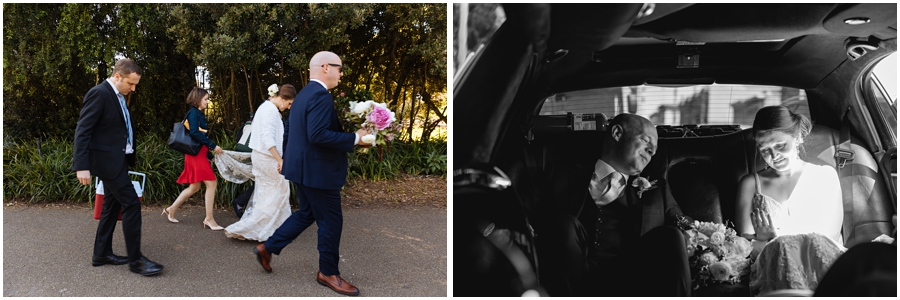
<point x="780" y="118"/>
<point x="287" y="92"/>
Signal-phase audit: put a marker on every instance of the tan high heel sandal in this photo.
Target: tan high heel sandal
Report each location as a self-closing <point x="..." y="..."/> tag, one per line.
<point x="168" y="215"/>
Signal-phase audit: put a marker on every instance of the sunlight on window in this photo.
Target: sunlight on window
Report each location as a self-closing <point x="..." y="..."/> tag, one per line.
<point x="692" y="105"/>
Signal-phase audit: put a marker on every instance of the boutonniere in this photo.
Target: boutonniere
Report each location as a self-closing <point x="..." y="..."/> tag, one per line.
<point x="643" y="185"/>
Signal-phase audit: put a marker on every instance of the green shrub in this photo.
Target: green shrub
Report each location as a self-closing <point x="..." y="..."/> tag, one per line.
<point x="47" y="177"/>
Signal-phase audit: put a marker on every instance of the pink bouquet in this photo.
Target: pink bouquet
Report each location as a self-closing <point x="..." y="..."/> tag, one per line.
<point x="716" y="254"/>
<point x="374" y="116"/>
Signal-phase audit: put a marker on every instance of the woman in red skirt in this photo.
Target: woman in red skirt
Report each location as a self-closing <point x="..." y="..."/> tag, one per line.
<point x="197" y="167"/>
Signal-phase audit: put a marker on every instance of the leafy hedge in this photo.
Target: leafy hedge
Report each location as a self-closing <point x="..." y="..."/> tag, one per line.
<point x="42" y="174"/>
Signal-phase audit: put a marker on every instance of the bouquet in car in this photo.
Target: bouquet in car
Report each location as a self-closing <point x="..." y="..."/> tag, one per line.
<point x="374" y="116"/>
<point x="716" y="254"/>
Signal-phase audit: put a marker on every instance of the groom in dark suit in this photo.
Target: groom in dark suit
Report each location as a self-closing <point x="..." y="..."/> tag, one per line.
<point x="315" y="160"/>
<point x="611" y="241"/>
<point x="104" y="146"/>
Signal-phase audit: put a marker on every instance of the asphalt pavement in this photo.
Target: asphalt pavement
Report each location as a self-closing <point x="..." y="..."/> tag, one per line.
<point x="385" y="252"/>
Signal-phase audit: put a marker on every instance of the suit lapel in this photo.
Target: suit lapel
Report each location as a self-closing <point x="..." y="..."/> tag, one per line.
<point x="115" y="100"/>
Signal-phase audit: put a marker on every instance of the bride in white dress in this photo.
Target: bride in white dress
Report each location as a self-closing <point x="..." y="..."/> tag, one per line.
<point x="793" y="210"/>
<point x="269" y="205"/>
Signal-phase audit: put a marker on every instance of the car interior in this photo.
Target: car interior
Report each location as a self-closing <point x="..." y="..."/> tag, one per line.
<point x="513" y="159"/>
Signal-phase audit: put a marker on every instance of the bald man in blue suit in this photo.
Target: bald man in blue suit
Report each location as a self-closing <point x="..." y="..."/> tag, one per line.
<point x="315" y="160"/>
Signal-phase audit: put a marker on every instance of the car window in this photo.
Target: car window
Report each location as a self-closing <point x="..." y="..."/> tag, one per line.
<point x="879" y="86"/>
<point x="886" y="71"/>
<point x="717" y="104"/>
<point x="479" y="21"/>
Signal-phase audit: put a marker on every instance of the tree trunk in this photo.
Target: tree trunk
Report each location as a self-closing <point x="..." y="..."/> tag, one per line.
<point x="412" y="117"/>
<point x="230" y="119"/>
<point x="426" y="132"/>
<point x="249" y="91"/>
<point x="262" y="91"/>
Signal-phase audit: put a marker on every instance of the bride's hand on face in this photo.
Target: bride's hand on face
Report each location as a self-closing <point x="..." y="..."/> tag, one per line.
<point x="762" y="224"/>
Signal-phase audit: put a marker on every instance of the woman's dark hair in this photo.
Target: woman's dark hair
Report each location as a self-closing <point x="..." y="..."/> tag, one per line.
<point x="780" y="118"/>
<point x="287" y="91"/>
<point x="194" y="97"/>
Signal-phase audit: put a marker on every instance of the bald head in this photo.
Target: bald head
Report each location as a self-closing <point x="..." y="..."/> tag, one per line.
<point x="326" y="67"/>
<point x="630" y="143"/>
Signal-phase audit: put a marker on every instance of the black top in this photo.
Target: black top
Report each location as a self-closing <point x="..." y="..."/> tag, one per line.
<point x="197" y="120"/>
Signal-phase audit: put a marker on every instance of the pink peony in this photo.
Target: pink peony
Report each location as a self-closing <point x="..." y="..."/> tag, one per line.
<point x="380" y="117"/>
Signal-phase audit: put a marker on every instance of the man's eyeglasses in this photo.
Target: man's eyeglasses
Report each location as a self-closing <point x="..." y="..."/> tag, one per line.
<point x="340" y="67"/>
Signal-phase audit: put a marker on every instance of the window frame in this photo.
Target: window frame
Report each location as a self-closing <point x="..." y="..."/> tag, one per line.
<point x="874" y="97"/>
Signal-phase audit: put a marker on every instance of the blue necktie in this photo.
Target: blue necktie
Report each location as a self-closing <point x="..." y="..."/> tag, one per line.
<point x="127" y="117"/>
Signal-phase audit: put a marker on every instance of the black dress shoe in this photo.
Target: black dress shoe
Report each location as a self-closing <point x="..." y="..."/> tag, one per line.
<point x="145" y="267"/>
<point x="111" y="259"/>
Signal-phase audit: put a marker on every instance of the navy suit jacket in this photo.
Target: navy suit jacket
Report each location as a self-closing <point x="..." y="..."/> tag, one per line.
<point x="317" y="146"/>
<point x="100" y="135"/>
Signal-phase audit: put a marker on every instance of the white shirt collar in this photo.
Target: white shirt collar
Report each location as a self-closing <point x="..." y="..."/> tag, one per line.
<point x="603" y="169"/>
<point x="320" y="82"/>
<point x="113" y="85"/>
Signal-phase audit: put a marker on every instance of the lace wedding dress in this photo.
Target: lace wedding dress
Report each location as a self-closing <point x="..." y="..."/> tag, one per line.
<point x="269" y="204"/>
<point x="809" y="228"/>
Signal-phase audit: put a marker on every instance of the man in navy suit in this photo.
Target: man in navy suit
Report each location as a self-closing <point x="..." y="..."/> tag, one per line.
<point x="315" y="160"/>
<point x="104" y="146"/>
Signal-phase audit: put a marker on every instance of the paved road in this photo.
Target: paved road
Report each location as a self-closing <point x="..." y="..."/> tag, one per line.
<point x="385" y="252"/>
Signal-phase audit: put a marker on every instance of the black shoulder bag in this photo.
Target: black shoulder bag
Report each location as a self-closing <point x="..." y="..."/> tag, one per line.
<point x="180" y="139"/>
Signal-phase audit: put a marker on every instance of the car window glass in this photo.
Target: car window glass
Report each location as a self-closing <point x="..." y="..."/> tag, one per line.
<point x="479" y="21"/>
<point x="886" y="71"/>
<point x="716" y="104"/>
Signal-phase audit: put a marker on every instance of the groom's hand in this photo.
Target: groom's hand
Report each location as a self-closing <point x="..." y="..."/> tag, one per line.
<point x="361" y="133"/>
<point x="84" y="176"/>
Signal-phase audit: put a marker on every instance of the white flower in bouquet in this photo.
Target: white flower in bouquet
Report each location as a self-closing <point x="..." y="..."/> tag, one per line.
<point x="708" y="228"/>
<point x="273" y="90"/>
<point x="369" y="138"/>
<point x="738" y="248"/>
<point x="359" y="108"/>
<point x="717" y="238"/>
<point x="708" y="258"/>
<point x="720" y="270"/>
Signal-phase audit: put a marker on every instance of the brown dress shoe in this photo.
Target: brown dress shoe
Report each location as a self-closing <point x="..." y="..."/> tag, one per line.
<point x="337" y="284"/>
<point x="263" y="257"/>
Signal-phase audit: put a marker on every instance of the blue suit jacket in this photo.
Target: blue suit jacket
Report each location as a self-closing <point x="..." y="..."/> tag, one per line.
<point x="317" y="146"/>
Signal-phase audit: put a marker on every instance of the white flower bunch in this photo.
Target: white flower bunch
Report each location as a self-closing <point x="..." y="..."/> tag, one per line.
<point x="273" y="90"/>
<point x="717" y="253"/>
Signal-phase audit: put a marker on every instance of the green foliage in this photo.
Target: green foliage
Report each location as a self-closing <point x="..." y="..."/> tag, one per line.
<point x="54" y="53"/>
<point x="34" y="174"/>
<point x="420" y="158"/>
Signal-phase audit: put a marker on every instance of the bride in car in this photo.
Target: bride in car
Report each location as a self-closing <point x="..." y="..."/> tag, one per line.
<point x="792" y="210"/>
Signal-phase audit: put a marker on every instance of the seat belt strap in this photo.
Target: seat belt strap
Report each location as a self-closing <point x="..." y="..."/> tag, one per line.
<point x="842" y="156"/>
<point x="842" y="153"/>
<point x="534" y="173"/>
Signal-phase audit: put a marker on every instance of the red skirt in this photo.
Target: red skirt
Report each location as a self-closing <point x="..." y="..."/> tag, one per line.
<point x="196" y="168"/>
